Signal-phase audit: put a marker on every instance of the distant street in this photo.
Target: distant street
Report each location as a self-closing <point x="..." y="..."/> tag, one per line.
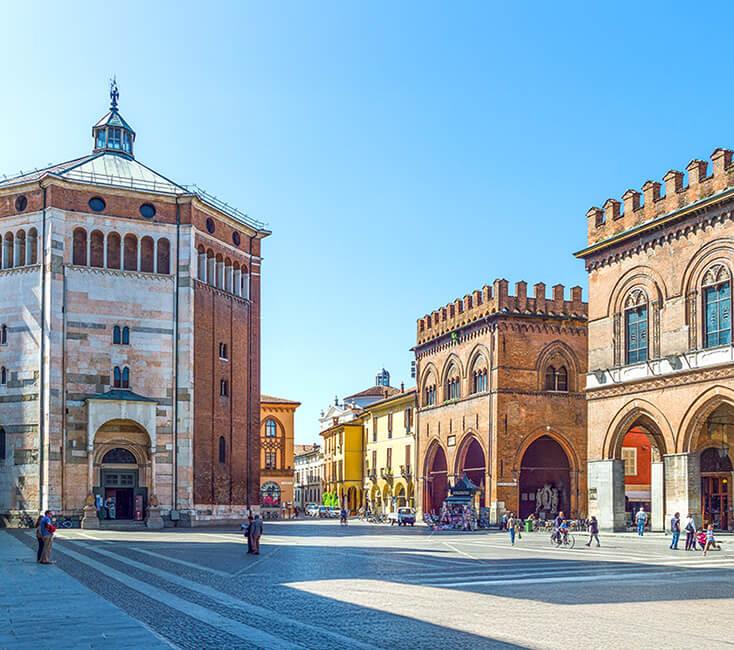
<point x="318" y="585"/>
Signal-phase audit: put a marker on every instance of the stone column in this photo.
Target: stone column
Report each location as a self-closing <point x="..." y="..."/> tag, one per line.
<point x="683" y="485"/>
<point x="90" y="470"/>
<point x="657" y="497"/>
<point x="606" y="493"/>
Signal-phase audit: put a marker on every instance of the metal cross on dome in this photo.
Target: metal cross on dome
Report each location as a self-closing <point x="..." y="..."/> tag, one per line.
<point x="114" y="93"/>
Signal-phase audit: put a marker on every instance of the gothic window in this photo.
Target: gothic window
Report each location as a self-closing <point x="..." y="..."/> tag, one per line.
<point x="636" y="327"/>
<point x="479" y="381"/>
<point x="556" y="379"/>
<point x="550" y="378"/>
<point x="222" y="450"/>
<point x="271" y="429"/>
<point x="453" y="386"/>
<point x="717" y="306"/>
<point x="562" y="379"/>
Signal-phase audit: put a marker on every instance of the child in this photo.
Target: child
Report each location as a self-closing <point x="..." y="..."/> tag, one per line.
<point x="710" y="542"/>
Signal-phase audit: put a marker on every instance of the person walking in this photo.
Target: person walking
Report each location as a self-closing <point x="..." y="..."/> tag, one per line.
<point x="641" y="520"/>
<point x="247" y="528"/>
<point x="256" y="531"/>
<point x="689" y="525"/>
<point x="675" y="530"/>
<point x="593" y="531"/>
<point x="511" y="527"/>
<point x="710" y="541"/>
<point x="47" y="533"/>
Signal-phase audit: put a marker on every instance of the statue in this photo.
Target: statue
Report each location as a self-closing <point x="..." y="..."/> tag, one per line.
<point x="546" y="499"/>
<point x="554" y="501"/>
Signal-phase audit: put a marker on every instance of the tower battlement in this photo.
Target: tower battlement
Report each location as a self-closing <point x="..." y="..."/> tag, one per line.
<point x="637" y="208"/>
<point x="490" y="300"/>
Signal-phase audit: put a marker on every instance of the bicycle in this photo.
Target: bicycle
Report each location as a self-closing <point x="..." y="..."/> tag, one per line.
<point x="25" y="521"/>
<point x="564" y="539"/>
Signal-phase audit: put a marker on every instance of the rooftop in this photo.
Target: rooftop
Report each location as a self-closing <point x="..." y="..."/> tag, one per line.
<point x="268" y="399"/>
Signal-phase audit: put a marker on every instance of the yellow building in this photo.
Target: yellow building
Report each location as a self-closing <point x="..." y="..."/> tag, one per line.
<point x="343" y="453"/>
<point x="390" y="452"/>
<point x="276" y="456"/>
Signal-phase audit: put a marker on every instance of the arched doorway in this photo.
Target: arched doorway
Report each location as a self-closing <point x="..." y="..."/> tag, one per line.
<point x="716" y="467"/>
<point x="640" y="451"/>
<point x="436" y="479"/>
<point x="352" y="500"/>
<point x="119" y="478"/>
<point x="545" y="479"/>
<point x="400" y="501"/>
<point x="470" y="461"/>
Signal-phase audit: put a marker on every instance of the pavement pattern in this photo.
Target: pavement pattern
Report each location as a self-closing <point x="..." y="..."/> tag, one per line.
<point x="317" y="584"/>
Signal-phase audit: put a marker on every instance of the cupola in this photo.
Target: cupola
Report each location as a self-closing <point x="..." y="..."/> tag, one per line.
<point x="112" y="133"/>
<point x="383" y="378"/>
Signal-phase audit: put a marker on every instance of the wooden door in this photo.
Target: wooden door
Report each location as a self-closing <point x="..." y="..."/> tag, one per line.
<point x="715" y="500"/>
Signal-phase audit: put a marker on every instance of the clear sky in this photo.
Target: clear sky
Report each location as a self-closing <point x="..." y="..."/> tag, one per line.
<point x="403" y="153"/>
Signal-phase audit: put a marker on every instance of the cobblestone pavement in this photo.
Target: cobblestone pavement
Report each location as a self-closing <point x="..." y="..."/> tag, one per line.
<point x="317" y="584"/>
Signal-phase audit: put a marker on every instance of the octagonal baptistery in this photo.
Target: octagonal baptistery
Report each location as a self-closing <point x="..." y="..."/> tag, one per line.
<point x="129" y="343"/>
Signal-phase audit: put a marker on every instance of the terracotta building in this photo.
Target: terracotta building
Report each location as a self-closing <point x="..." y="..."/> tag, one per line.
<point x="660" y="355"/>
<point x="500" y="394"/>
<point x="129" y="341"/>
<point x="276" y="456"/>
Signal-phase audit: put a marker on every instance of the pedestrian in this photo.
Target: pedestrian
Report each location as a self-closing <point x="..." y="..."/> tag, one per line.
<point x="248" y="529"/>
<point x="39" y="537"/>
<point x="690" y="527"/>
<point x="256" y="530"/>
<point x="47" y="533"/>
<point x="641" y="520"/>
<point x="710" y="541"/>
<point x="593" y="531"/>
<point x="503" y="521"/>
<point x="511" y="527"/>
<point x="675" y="530"/>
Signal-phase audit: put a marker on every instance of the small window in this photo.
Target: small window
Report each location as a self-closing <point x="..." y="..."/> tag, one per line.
<point x="116" y="378"/>
<point x="114" y="139"/>
<point x="210" y="225"/>
<point x="116" y="336"/>
<point x="97" y="204"/>
<point x="125" y="378"/>
<point x="21" y="203"/>
<point x="4" y="335"/>
<point x="126" y="142"/>
<point x="629" y="456"/>
<point x="3" y="376"/>
<point x="3" y="453"/>
<point x="223" y="351"/>
<point x="271" y="429"/>
<point x="101" y="138"/>
<point x="126" y="336"/>
<point x="270" y="460"/>
<point x="389" y="425"/>
<point x="222" y="450"/>
<point x="147" y="210"/>
<point x="562" y="379"/>
<point x="236" y="238"/>
<point x="223" y="388"/>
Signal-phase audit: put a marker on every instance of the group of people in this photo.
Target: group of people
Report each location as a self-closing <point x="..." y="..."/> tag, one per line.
<point x="705" y="538"/>
<point x="45" y="536"/>
<point x="253" y="530"/>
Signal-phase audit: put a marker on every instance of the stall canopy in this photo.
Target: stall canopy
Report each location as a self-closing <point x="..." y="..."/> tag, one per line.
<point x="463" y="491"/>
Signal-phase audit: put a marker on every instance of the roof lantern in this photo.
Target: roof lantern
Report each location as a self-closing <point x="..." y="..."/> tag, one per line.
<point x="383" y="378"/>
<point x="112" y="133"/>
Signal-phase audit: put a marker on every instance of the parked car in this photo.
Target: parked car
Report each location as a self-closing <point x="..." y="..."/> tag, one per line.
<point x="334" y="512"/>
<point x="312" y="509"/>
<point x="402" y="517"/>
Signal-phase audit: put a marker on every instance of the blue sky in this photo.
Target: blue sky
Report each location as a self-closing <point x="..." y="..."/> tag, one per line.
<point x="403" y="154"/>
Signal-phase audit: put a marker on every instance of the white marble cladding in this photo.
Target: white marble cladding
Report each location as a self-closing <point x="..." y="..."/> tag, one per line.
<point x="670" y="365"/>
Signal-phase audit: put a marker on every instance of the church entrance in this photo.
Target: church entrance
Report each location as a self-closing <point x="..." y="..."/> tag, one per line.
<point x="119" y="496"/>
<point x="545" y="480"/>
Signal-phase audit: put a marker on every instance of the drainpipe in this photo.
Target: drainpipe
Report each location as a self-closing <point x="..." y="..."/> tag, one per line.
<point x="249" y="382"/>
<point x="175" y="364"/>
<point x="63" y="389"/>
<point x="42" y="375"/>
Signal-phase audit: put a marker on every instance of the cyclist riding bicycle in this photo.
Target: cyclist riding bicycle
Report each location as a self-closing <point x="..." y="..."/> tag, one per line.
<point x="343" y="517"/>
<point x="560" y="527"/>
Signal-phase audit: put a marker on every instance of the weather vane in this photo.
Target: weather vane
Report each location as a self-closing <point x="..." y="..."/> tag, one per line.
<point x="114" y="93"/>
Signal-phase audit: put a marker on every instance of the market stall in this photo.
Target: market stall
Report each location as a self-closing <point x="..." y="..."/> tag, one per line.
<point x="457" y="510"/>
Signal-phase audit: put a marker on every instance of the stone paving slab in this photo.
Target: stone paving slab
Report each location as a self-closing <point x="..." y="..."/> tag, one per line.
<point x="43" y="607"/>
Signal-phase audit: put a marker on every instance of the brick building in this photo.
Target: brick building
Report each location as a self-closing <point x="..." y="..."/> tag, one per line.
<point x="500" y="394"/>
<point x="660" y="355"/>
<point x="129" y="341"/>
<point x="276" y="455"/>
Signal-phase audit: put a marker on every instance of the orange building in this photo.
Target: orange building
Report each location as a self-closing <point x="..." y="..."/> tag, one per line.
<point x="276" y="456"/>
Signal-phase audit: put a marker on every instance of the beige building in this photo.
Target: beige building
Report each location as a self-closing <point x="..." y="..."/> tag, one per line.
<point x="276" y="456"/>
<point x="390" y="452"/>
<point x="308" y="475"/>
<point x="661" y="361"/>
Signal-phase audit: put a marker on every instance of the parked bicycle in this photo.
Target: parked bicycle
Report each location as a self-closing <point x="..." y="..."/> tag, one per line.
<point x="25" y="521"/>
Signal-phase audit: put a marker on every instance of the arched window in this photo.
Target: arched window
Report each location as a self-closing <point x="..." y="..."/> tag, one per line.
<point x="4" y="335"/>
<point x="453" y="384"/>
<point x="125" y="377"/>
<point x="164" y="257"/>
<point x="429" y="391"/>
<point x="116" y="378"/>
<point x="116" y="338"/>
<point x="3" y="443"/>
<point x="271" y="429"/>
<point x="550" y="378"/>
<point x="270" y="495"/>
<point x="126" y="336"/>
<point x="635" y="317"/>
<point x="32" y="246"/>
<point x="717" y="306"/>
<point x="562" y="379"/>
<point x="222" y="450"/>
<point x="479" y="376"/>
<point x="8" y="251"/>
<point x="131" y="253"/>
<point x="20" y="248"/>
<point x="96" y="249"/>
<point x="80" y="247"/>
<point x="202" y="263"/>
<point x="119" y="456"/>
<point x="147" y="255"/>
<point x="113" y="251"/>
<point x="556" y="379"/>
<point x="3" y="376"/>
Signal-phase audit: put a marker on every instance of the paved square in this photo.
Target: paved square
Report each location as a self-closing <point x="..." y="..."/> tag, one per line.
<point x="319" y="585"/>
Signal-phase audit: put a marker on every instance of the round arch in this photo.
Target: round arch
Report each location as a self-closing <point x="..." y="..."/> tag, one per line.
<point x="435" y="477"/>
<point x="698" y="412"/>
<point x="643" y="414"/>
